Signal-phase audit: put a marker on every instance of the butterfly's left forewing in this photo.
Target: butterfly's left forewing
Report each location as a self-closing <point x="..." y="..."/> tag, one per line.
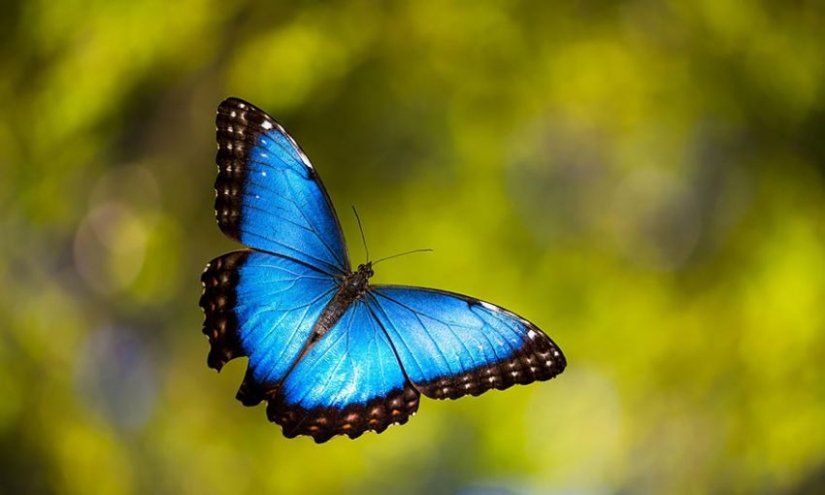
<point x="269" y="196"/>
<point x="452" y="345"/>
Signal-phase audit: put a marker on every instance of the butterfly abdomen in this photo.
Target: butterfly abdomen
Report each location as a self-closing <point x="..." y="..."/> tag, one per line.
<point x="351" y="288"/>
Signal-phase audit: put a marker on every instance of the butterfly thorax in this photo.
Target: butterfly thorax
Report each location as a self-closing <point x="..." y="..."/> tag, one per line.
<point x="355" y="284"/>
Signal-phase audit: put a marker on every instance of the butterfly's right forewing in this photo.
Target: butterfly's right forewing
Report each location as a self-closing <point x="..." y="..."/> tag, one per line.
<point x="452" y="345"/>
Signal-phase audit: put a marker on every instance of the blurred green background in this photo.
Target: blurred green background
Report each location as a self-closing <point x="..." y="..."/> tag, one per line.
<point x="643" y="180"/>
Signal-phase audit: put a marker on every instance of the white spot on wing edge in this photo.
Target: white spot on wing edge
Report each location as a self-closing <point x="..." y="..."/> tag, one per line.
<point x="532" y="333"/>
<point x="267" y="125"/>
<point x="305" y="159"/>
<point x="298" y="149"/>
<point x="489" y="306"/>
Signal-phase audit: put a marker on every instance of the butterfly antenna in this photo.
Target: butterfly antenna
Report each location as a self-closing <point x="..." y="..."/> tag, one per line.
<point x="361" y="228"/>
<point x="424" y="250"/>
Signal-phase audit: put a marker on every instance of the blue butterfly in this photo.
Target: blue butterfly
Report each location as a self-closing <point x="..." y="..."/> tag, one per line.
<point x="330" y="353"/>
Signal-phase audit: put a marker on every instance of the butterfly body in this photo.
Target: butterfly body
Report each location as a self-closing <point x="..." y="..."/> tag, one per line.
<point x="328" y="352"/>
<point x="351" y="288"/>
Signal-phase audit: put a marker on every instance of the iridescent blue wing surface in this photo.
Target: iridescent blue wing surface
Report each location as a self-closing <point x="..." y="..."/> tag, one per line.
<point x="349" y="383"/>
<point x="265" y="307"/>
<point x="269" y="196"/>
<point x="330" y="354"/>
<point x="452" y="345"/>
<point x="397" y="342"/>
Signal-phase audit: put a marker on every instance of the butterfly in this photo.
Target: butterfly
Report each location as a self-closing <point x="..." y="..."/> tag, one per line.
<point x="330" y="353"/>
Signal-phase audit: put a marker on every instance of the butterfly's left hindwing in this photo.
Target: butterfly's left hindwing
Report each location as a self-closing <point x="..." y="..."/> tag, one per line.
<point x="264" y="307"/>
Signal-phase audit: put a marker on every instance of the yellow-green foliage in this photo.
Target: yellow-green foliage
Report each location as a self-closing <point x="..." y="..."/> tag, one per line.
<point x="644" y="180"/>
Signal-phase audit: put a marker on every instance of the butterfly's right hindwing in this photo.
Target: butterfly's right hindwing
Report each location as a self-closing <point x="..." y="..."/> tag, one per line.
<point x="349" y="383"/>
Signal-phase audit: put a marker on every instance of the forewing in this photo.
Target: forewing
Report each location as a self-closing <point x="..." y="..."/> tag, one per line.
<point x="452" y="345"/>
<point x="269" y="196"/>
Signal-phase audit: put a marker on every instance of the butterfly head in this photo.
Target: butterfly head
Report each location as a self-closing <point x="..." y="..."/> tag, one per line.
<point x="364" y="271"/>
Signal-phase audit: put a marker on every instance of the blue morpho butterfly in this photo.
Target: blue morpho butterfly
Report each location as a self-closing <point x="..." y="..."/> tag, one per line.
<point x="330" y="353"/>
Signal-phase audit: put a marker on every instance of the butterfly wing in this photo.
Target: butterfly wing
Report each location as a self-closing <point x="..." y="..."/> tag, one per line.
<point x="262" y="306"/>
<point x="452" y="345"/>
<point x="348" y="383"/>
<point x="269" y="196"/>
